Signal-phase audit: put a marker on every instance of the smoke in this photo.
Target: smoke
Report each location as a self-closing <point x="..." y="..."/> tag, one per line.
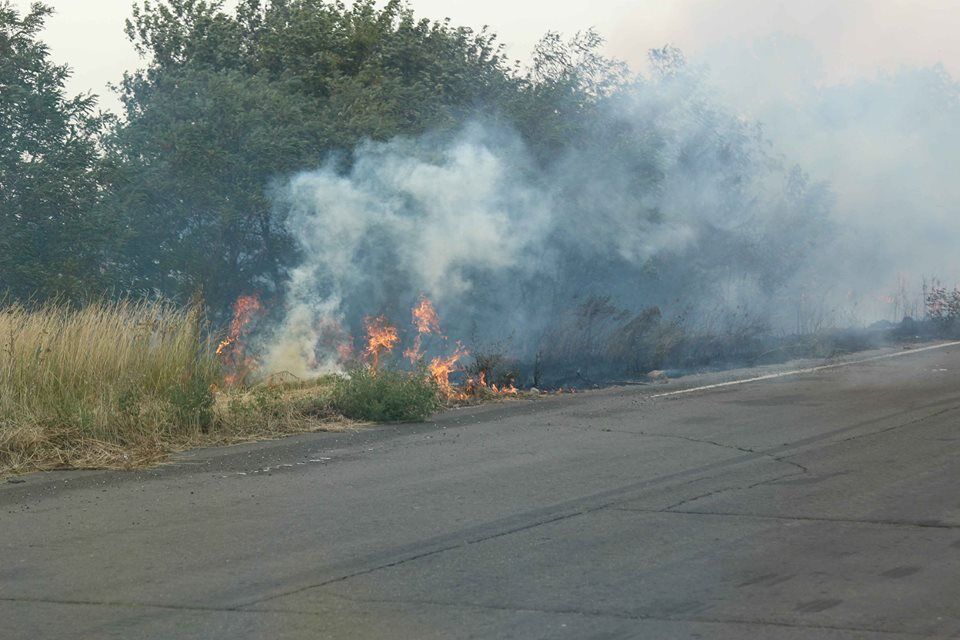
<point x="887" y="144"/>
<point x="410" y="216"/>
<point x="662" y="198"/>
<point x="749" y="191"/>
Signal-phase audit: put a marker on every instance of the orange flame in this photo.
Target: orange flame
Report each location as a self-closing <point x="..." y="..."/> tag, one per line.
<point x="232" y="349"/>
<point x="510" y="390"/>
<point x="426" y="320"/>
<point x="441" y="368"/>
<point x="479" y="385"/>
<point x="381" y="338"/>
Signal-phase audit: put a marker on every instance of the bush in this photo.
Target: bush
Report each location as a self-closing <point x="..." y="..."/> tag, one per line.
<point x="386" y="396"/>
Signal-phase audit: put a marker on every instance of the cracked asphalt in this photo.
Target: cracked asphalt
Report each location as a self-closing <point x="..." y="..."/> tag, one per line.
<point x="817" y="505"/>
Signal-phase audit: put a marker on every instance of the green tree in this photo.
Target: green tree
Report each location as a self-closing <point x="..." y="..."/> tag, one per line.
<point x="191" y="177"/>
<point x="50" y="237"/>
<point x="563" y="91"/>
<point x="229" y="102"/>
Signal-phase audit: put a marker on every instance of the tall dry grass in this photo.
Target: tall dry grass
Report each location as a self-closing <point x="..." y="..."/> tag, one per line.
<point x="113" y="380"/>
<point x="123" y="384"/>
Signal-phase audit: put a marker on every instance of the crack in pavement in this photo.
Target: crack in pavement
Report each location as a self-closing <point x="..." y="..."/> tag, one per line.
<point x="722" y="445"/>
<point x="578" y="506"/>
<point x="734" y="488"/>
<point x="902" y="426"/>
<point x="599" y="613"/>
<point x="762" y="452"/>
<point x="432" y="552"/>
<point x="919" y="524"/>
<point x="120" y="604"/>
<point x="591" y="613"/>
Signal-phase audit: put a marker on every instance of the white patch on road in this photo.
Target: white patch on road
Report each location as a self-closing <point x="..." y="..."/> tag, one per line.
<point x="782" y="374"/>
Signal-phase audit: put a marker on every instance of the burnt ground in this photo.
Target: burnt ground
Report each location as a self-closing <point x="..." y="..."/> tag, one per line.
<point x="813" y="505"/>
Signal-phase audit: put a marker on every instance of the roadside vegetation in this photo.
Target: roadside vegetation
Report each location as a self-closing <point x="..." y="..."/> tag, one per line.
<point x="123" y="384"/>
<point x="139" y="211"/>
<point x="386" y="395"/>
<point x="80" y="386"/>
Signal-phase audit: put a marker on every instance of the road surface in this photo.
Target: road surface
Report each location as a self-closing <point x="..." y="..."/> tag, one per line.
<point x="823" y="504"/>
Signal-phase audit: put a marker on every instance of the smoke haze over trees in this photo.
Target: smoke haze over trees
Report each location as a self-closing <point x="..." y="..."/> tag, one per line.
<point x="343" y="159"/>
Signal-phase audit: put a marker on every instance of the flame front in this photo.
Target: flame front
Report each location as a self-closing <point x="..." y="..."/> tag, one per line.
<point x="441" y="368"/>
<point x="426" y="321"/>
<point x="478" y="386"/>
<point x="232" y="350"/>
<point x="381" y="338"/>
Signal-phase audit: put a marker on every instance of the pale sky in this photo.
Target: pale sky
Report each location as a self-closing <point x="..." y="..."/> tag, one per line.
<point x="852" y="37"/>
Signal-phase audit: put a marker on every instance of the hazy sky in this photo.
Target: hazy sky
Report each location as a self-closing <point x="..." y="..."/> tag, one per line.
<point x="852" y="37"/>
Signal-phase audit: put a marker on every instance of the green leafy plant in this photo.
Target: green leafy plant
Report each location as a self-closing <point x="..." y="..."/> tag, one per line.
<point x="386" y="395"/>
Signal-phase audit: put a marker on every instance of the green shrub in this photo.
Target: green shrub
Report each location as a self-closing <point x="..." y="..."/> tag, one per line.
<point x="386" y="396"/>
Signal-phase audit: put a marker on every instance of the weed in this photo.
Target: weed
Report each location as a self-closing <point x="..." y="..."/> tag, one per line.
<point x="385" y="395"/>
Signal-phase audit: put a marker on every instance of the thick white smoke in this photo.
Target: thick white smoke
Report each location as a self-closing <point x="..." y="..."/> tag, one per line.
<point x="410" y="216"/>
<point x="798" y="207"/>
<point x="666" y="200"/>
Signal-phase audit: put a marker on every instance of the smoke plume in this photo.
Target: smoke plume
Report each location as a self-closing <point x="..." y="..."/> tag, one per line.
<point x="664" y="199"/>
<point x="715" y="200"/>
<point x="887" y="145"/>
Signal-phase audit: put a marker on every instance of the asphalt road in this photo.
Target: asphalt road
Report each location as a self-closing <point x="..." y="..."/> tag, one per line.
<point x="819" y="505"/>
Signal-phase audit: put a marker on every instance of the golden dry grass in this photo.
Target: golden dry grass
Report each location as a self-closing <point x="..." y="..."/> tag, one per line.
<point x="122" y="384"/>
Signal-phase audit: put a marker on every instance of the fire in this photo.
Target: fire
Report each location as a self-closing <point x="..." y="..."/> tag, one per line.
<point x="473" y="385"/>
<point x="426" y="320"/>
<point x="506" y="390"/>
<point x="232" y="350"/>
<point x="477" y="386"/>
<point x="381" y="338"/>
<point x="441" y="368"/>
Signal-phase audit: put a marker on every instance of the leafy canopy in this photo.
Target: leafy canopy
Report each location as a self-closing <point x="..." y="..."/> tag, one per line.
<point x="50" y="240"/>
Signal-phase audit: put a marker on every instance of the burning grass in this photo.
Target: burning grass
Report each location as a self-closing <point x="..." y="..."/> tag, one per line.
<point x="123" y="384"/>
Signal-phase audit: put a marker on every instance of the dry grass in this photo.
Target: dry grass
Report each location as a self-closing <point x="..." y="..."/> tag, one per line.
<point x="123" y="384"/>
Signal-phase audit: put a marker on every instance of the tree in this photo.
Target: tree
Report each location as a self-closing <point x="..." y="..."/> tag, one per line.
<point x="563" y="90"/>
<point x="50" y="239"/>
<point x="191" y="178"/>
<point x="229" y="103"/>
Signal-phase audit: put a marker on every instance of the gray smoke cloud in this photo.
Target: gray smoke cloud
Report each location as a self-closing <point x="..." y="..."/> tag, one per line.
<point x="888" y="146"/>
<point x="787" y="202"/>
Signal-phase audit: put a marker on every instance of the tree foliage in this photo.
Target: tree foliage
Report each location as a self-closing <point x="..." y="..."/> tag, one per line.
<point x="175" y="195"/>
<point x="50" y="238"/>
<point x="228" y="102"/>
